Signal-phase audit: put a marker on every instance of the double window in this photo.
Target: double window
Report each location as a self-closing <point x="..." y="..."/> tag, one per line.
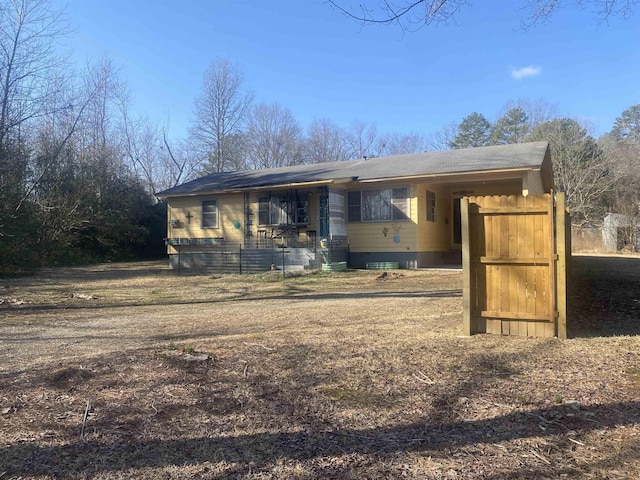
<point x="210" y="214"/>
<point x="378" y="205"/>
<point x="284" y="210"/>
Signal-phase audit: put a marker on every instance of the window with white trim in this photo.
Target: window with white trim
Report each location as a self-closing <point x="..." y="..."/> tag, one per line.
<point x="210" y="214"/>
<point x="378" y="205"/>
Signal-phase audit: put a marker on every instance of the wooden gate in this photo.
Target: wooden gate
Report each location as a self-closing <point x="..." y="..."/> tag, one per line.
<point x="514" y="253"/>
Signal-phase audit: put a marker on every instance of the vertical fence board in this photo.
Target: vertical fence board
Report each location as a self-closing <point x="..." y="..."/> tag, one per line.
<point x="521" y="252"/>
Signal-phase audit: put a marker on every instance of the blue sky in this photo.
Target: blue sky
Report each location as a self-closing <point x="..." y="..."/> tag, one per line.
<point x="320" y="64"/>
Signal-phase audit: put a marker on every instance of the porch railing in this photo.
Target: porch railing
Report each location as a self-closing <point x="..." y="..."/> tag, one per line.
<point x="237" y="259"/>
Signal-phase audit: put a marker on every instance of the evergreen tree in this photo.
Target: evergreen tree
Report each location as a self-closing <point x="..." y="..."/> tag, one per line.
<point x="474" y="131"/>
<point x="627" y="125"/>
<point x="512" y="127"/>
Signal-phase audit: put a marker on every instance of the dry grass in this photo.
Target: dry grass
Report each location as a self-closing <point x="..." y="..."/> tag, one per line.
<point x="128" y="371"/>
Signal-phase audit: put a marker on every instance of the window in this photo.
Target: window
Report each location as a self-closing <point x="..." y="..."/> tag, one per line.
<point x="287" y="209"/>
<point x="400" y="202"/>
<point x="210" y="214"/>
<point x="378" y="205"/>
<point x="266" y="210"/>
<point x="431" y="206"/>
<point x="336" y="214"/>
<point x="355" y="207"/>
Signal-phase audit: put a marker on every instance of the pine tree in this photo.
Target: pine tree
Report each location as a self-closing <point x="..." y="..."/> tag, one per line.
<point x="627" y="125"/>
<point x="474" y="131"/>
<point x="512" y="127"/>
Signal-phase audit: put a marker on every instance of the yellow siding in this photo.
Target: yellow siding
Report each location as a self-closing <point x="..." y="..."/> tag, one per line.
<point x="433" y="236"/>
<point x="381" y="236"/>
<point x="230" y="210"/>
<point x="370" y="236"/>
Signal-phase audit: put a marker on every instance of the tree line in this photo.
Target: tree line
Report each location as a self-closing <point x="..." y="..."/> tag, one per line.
<point x="597" y="175"/>
<point x="74" y="164"/>
<point x="79" y="169"/>
<point x="233" y="132"/>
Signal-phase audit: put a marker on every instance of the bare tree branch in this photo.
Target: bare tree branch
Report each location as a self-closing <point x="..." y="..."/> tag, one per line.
<point x="411" y="15"/>
<point x="180" y="166"/>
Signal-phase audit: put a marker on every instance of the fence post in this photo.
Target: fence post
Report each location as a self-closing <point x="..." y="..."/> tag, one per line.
<point x="283" y="269"/>
<point x="240" y="259"/>
<point x="466" y="268"/>
<point x="561" y="265"/>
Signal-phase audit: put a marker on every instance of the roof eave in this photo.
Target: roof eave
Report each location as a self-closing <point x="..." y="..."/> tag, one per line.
<point x="514" y="172"/>
<point x="260" y="188"/>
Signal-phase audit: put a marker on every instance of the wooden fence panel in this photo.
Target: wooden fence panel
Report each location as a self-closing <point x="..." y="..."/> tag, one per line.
<point x="513" y="283"/>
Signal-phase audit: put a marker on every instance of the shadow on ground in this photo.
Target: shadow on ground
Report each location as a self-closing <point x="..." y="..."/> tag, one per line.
<point x="604" y="296"/>
<point x="260" y="449"/>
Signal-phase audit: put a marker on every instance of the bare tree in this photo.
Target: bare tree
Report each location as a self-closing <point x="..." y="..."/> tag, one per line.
<point x="441" y="139"/>
<point x="28" y="63"/>
<point x="541" y="11"/>
<point x="411" y="15"/>
<point x="142" y="143"/>
<point x="29" y="83"/>
<point x="273" y="137"/>
<point x="623" y="160"/>
<point x="399" y="144"/>
<point x="180" y="162"/>
<point x="55" y="133"/>
<point x="103" y="122"/>
<point x="327" y="142"/>
<point x="157" y="161"/>
<point x="579" y="167"/>
<point x="221" y="111"/>
<point x="622" y="152"/>
<point x="362" y="137"/>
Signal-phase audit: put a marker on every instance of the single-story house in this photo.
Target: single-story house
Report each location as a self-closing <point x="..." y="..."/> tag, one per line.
<point x="401" y="209"/>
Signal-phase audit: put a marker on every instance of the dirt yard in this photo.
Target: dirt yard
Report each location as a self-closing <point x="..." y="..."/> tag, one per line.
<point x="129" y="371"/>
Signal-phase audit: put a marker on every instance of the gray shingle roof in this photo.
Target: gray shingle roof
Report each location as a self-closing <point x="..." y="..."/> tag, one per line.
<point x="468" y="160"/>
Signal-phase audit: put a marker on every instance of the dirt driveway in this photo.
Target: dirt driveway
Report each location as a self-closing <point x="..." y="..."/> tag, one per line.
<point x="128" y="371"/>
